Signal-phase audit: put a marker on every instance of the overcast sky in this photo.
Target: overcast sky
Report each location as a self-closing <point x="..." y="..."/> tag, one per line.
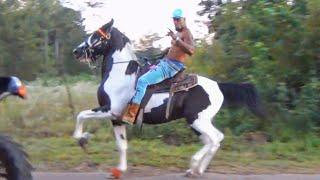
<point x="139" y="17"/>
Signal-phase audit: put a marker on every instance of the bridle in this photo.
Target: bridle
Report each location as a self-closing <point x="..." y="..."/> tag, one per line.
<point x="88" y="51"/>
<point x="105" y="37"/>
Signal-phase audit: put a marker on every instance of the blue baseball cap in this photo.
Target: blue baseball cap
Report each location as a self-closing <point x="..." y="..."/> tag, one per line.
<point x="177" y="13"/>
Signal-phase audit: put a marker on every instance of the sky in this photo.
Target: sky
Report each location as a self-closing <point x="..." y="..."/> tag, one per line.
<point x="137" y="18"/>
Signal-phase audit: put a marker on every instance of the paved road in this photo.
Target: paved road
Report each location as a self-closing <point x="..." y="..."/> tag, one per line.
<point x="104" y="176"/>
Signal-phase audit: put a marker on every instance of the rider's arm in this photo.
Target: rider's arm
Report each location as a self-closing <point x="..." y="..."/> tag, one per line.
<point x="187" y="44"/>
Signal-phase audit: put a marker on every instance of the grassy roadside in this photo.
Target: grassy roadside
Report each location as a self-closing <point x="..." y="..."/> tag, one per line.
<point x="63" y="154"/>
<point x="44" y="125"/>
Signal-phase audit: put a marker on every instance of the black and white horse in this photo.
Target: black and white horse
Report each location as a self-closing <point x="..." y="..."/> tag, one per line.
<point x="198" y="106"/>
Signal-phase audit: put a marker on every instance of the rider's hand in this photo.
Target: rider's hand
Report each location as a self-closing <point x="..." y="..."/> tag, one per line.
<point x="171" y="33"/>
<point x="173" y="42"/>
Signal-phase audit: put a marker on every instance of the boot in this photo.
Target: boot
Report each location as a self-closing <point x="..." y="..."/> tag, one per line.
<point x="130" y="114"/>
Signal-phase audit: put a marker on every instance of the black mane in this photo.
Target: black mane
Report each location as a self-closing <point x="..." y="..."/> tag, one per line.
<point x="118" y="40"/>
<point x="132" y="68"/>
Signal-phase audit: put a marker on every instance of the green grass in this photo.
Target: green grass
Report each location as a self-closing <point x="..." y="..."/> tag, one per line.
<point x="62" y="154"/>
<point x="43" y="124"/>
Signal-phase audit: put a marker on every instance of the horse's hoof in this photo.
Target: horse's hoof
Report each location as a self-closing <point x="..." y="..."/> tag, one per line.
<point x="116" y="173"/>
<point x="82" y="143"/>
<point x="190" y="173"/>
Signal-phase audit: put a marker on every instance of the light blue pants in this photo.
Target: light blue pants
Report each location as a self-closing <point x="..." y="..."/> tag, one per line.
<point x="164" y="70"/>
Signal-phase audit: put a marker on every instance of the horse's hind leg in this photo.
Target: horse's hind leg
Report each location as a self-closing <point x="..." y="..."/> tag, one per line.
<point x="197" y="157"/>
<point x="211" y="137"/>
<point x="122" y="145"/>
<point x="215" y="144"/>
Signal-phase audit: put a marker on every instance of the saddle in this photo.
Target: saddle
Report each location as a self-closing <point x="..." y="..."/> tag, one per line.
<point x="180" y="82"/>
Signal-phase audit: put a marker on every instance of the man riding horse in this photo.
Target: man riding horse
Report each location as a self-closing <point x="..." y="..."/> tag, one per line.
<point x="182" y="44"/>
<point x="197" y="101"/>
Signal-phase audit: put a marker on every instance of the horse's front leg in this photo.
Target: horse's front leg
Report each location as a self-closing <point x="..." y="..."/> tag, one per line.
<point x="97" y="113"/>
<point x="122" y="145"/>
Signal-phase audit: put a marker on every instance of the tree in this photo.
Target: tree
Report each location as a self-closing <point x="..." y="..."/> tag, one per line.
<point x="273" y="45"/>
<point x="26" y="26"/>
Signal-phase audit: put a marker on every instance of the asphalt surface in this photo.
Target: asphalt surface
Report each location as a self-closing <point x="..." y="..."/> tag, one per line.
<point x="174" y="176"/>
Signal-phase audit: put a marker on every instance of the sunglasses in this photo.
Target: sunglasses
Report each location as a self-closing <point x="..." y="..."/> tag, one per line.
<point x="176" y="19"/>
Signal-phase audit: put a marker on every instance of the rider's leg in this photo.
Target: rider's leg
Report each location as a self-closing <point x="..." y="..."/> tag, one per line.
<point x="161" y="72"/>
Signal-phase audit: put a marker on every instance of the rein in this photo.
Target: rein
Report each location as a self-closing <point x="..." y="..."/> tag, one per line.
<point x="106" y="36"/>
<point x="92" y="66"/>
<point x="124" y="61"/>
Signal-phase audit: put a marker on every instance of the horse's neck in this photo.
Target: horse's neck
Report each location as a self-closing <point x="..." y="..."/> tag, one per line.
<point x="116" y="79"/>
<point x="119" y="86"/>
<point x="125" y="54"/>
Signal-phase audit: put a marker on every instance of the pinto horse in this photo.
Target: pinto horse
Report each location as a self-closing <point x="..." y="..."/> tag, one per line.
<point x="198" y="105"/>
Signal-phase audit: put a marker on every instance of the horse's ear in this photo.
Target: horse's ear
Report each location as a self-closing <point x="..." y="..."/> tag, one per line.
<point x="108" y="26"/>
<point x="111" y="22"/>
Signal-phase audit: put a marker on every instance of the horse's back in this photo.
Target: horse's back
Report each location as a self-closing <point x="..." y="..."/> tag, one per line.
<point x="213" y="91"/>
<point x="209" y="85"/>
<point x="206" y="97"/>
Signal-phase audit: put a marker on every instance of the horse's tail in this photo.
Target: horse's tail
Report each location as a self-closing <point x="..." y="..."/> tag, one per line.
<point x="244" y="94"/>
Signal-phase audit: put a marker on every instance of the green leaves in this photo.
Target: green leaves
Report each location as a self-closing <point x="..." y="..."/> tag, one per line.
<point x="275" y="45"/>
<point x="22" y="41"/>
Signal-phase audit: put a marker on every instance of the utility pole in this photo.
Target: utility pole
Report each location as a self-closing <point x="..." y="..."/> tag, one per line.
<point x="61" y="70"/>
<point x="46" y="45"/>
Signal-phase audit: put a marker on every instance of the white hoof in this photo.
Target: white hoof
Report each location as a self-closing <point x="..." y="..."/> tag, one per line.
<point x="192" y="173"/>
<point x="189" y="173"/>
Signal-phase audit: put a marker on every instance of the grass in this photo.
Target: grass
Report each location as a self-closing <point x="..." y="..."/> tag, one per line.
<point x="62" y="153"/>
<point x="43" y="124"/>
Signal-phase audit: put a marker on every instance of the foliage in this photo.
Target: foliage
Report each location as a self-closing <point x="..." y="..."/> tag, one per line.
<point x="29" y="30"/>
<point x="274" y="45"/>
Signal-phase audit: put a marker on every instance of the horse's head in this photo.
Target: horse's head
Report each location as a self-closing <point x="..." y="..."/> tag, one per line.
<point x="94" y="45"/>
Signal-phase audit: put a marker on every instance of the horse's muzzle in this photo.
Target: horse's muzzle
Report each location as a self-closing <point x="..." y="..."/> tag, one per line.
<point x="77" y="53"/>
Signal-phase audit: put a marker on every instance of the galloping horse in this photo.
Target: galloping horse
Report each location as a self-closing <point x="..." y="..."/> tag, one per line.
<point x="198" y="105"/>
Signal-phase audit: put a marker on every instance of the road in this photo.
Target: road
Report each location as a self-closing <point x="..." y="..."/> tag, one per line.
<point x="173" y="176"/>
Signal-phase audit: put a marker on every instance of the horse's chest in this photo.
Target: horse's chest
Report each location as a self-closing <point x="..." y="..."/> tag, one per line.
<point x="119" y="91"/>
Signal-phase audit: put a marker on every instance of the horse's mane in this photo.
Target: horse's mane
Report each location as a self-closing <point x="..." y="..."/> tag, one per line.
<point x="118" y="39"/>
<point x="117" y="42"/>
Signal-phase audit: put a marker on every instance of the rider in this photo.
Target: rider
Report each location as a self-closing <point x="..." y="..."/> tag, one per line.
<point x="182" y="44"/>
